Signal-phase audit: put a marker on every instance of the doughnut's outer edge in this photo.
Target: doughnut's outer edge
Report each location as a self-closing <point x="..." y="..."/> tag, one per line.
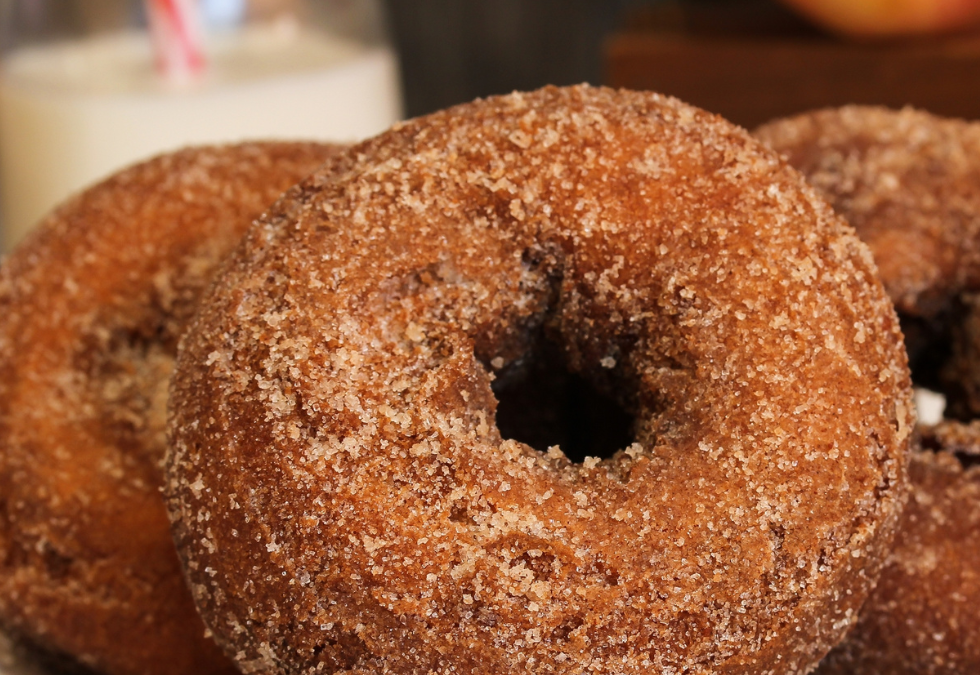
<point x="909" y="181"/>
<point x="906" y="181"/>
<point x="87" y="565"/>
<point x="921" y="618"/>
<point x="253" y="489"/>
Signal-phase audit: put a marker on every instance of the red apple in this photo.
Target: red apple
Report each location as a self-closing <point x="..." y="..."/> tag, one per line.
<point x="876" y="18"/>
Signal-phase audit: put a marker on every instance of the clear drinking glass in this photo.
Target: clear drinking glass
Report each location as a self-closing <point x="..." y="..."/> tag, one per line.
<point x="84" y="92"/>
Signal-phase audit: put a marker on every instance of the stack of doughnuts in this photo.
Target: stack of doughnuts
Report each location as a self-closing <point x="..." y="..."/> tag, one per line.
<point x="909" y="182"/>
<point x="341" y="496"/>
<point x="91" y="309"/>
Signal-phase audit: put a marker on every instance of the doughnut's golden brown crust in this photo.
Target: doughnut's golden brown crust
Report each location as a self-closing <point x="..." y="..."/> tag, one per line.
<point x="922" y="617"/>
<point x="910" y="184"/>
<point x="91" y="307"/>
<point x="342" y="497"/>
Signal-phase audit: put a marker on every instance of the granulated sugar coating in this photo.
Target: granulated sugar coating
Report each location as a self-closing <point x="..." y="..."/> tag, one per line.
<point x="91" y="307"/>
<point x="922" y="617"/>
<point x="909" y="183"/>
<point x="344" y="502"/>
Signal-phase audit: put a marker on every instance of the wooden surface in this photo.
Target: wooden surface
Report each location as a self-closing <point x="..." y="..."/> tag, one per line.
<point x="750" y="70"/>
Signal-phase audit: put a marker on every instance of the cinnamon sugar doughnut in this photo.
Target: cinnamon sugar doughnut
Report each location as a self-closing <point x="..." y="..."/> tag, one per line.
<point x="344" y="502"/>
<point x="91" y="307"/>
<point x="922" y="617"/>
<point x="909" y="183"/>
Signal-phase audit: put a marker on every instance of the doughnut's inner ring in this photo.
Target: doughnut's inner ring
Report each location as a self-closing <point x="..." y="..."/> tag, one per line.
<point x="541" y="403"/>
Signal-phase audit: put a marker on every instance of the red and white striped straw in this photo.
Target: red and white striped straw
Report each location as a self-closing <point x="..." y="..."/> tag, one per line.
<point x="178" y="37"/>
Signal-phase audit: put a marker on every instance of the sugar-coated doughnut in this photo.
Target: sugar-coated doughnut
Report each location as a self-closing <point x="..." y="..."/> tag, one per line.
<point x="922" y="617"/>
<point x="344" y="502"/>
<point x="91" y="307"/>
<point x="908" y="183"/>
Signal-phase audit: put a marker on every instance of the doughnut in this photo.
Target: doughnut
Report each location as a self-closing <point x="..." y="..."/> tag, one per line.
<point x="343" y="500"/>
<point x="922" y="617"/>
<point x="907" y="181"/>
<point x="91" y="307"/>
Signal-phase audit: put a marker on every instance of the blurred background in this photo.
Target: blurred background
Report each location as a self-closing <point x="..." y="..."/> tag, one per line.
<point x="749" y="60"/>
<point x="345" y="69"/>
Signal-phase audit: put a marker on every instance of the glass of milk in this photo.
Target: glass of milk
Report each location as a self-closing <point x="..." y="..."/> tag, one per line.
<point x="82" y="93"/>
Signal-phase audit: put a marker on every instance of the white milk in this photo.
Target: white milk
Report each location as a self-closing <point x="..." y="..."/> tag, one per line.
<point x="72" y="112"/>
<point x="929" y="406"/>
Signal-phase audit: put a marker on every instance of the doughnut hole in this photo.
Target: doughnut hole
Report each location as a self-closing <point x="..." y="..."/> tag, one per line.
<point x="128" y="372"/>
<point x="542" y="403"/>
<point x="960" y="374"/>
<point x="929" y="347"/>
<point x="967" y="460"/>
<point x="944" y="355"/>
<point x="955" y="439"/>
